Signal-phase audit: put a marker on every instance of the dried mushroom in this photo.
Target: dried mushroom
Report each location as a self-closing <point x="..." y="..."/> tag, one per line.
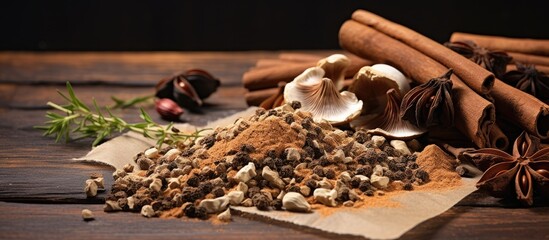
<point x="372" y="82"/>
<point x="334" y="68"/>
<point x="321" y="97"/>
<point x="388" y="124"/>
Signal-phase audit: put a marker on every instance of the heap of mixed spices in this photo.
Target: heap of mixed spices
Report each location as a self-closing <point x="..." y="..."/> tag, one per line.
<point x="277" y="159"/>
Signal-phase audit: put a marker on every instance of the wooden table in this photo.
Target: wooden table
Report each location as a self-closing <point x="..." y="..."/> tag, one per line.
<point x="41" y="187"/>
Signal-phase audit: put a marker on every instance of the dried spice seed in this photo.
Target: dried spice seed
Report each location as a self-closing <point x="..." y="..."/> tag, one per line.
<point x="364" y="186"/>
<point x="330" y="174"/>
<point x="422" y="174"/>
<point x="261" y="202"/>
<point x="190" y="211"/>
<point x="193" y="181"/>
<point x="295" y="105"/>
<point x="408" y="186"/>
<point x="277" y="204"/>
<point x="208" y="141"/>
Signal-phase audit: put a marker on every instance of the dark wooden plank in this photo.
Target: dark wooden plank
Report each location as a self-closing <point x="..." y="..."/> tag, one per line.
<point x="122" y="68"/>
<point x="484" y="223"/>
<point x="127" y="68"/>
<point x="39" y="221"/>
<point x="36" y="96"/>
<point x="34" y="221"/>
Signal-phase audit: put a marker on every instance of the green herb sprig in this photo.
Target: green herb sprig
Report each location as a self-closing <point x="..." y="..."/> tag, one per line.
<point x="77" y="121"/>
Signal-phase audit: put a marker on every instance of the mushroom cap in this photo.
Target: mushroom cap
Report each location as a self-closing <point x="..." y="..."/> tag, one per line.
<point x="321" y="97"/>
<point x="372" y="82"/>
<point x="334" y="67"/>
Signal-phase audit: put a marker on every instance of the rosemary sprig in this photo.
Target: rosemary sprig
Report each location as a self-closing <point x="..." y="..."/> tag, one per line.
<point x="77" y="120"/>
<point x="120" y="103"/>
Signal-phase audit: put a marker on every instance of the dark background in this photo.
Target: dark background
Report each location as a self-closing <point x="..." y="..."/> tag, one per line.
<point x="245" y="25"/>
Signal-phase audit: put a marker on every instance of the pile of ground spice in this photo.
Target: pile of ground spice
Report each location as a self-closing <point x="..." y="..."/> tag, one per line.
<point x="440" y="166"/>
<point x="258" y="161"/>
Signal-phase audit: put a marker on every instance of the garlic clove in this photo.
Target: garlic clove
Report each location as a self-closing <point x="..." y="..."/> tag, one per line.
<point x="168" y="109"/>
<point x="372" y="82"/>
<point x="334" y="67"/>
<point x="321" y="97"/>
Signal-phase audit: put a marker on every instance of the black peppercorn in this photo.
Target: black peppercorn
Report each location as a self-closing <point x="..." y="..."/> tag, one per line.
<point x="261" y="202"/>
<point x="330" y="174"/>
<point x="312" y="184"/>
<point x="286" y="171"/>
<point x="319" y="170"/>
<point x="201" y="213"/>
<point x="364" y="186"/>
<point x="205" y="187"/>
<point x="295" y="105"/>
<point x="193" y="181"/>
<point x="218" y="192"/>
<point x="190" y="211"/>
<point x="408" y="186"/>
<point x="289" y="118"/>
<point x="208" y="141"/>
<point x="277" y="204"/>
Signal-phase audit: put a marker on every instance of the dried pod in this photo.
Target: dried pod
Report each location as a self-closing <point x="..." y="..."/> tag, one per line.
<point x="430" y="104"/>
<point x="321" y="97"/>
<point x="203" y="82"/>
<point x="528" y="79"/>
<point x="372" y="82"/>
<point x="295" y="202"/>
<point x="168" y="109"/>
<point x="493" y="61"/>
<point x="178" y="89"/>
<point x="334" y="68"/>
<point x="185" y="95"/>
<point x="388" y="124"/>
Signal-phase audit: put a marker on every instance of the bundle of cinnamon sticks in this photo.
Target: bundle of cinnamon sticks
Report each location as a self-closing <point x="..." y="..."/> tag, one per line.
<point x="479" y="95"/>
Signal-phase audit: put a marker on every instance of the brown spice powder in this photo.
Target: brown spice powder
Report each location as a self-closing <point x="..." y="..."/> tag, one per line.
<point x="270" y="134"/>
<point x="441" y="169"/>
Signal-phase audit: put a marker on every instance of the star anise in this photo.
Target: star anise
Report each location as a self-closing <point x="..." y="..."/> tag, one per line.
<point x="528" y="79"/>
<point x="430" y="103"/>
<point x="493" y="61"/>
<point x="520" y="174"/>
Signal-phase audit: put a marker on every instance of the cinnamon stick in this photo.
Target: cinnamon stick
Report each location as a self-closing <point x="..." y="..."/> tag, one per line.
<point x="268" y="77"/>
<point x="520" y="45"/>
<point x="530" y="59"/>
<point x="498" y="139"/>
<point x="476" y="77"/>
<point x="474" y="115"/>
<point x="254" y="98"/>
<point x="522" y="109"/>
<point x="299" y="57"/>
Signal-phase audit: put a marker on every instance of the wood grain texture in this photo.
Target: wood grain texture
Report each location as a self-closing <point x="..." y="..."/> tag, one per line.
<point x="34" y="169"/>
